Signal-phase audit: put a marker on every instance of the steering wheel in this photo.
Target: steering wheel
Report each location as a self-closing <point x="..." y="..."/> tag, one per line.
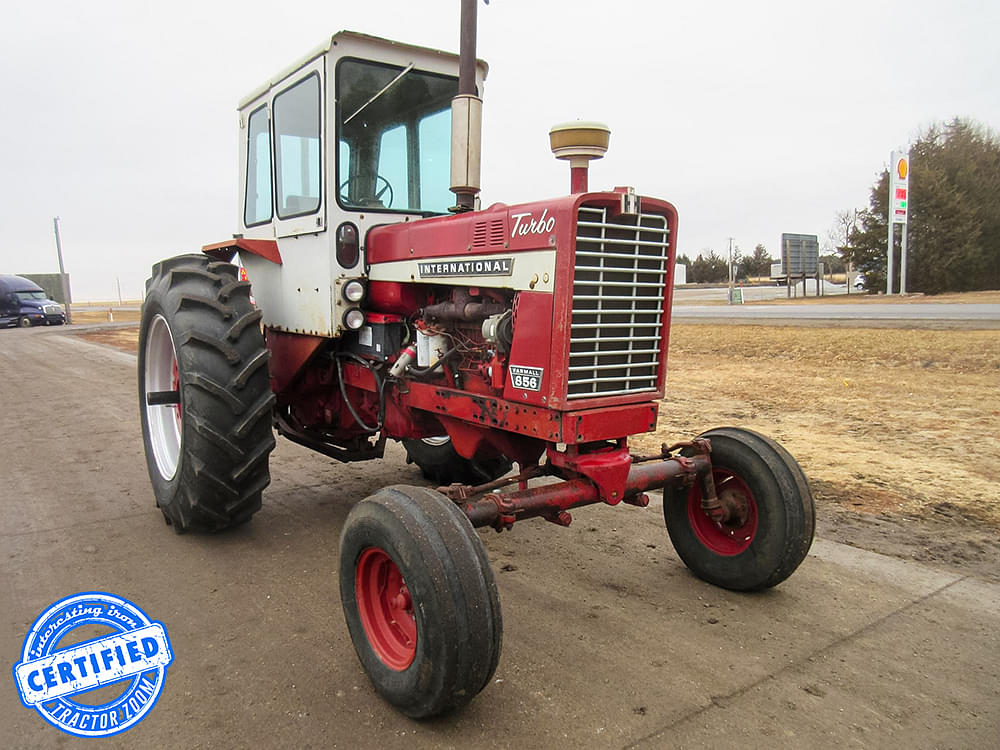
<point x="381" y="187"/>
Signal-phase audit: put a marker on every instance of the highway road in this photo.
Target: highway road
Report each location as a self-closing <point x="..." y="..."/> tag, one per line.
<point x="706" y="304"/>
<point x="608" y="643"/>
<point x="762" y="293"/>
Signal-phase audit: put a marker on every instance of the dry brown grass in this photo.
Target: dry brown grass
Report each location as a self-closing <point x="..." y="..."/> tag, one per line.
<point x="100" y="315"/>
<point x="880" y="419"/>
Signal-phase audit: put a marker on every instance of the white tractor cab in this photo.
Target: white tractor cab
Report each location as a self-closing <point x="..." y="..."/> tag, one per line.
<point x="23" y="303"/>
<point x="304" y="211"/>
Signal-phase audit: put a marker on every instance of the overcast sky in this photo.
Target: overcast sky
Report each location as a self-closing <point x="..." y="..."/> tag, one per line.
<point x="752" y="118"/>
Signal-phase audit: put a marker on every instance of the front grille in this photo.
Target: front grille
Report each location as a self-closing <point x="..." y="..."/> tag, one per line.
<point x="618" y="292"/>
<point x="52" y="310"/>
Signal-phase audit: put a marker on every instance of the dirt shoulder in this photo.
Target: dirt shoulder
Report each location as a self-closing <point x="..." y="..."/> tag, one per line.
<point x="895" y="428"/>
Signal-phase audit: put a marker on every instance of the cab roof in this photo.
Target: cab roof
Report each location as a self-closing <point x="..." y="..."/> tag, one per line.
<point x="355" y="36"/>
<point x="10" y="283"/>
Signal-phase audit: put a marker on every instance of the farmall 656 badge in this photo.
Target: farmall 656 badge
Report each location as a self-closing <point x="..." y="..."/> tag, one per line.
<point x="131" y="655"/>
<point x="526" y="378"/>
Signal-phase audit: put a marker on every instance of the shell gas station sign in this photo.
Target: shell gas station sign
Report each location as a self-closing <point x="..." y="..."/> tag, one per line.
<point x="899" y="187"/>
<point x="899" y="206"/>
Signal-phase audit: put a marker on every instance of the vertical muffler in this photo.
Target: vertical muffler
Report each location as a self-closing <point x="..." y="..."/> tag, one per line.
<point x="466" y="118"/>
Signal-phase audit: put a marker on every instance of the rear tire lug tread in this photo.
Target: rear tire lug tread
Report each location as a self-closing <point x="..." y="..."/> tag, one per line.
<point x="227" y="350"/>
<point x="190" y="302"/>
<point x="242" y="323"/>
<point x="178" y="275"/>
<point x="259" y="360"/>
<point x="218" y="391"/>
<point x="233" y="288"/>
<point x="209" y="433"/>
<point x="241" y="472"/>
<point x="263" y="407"/>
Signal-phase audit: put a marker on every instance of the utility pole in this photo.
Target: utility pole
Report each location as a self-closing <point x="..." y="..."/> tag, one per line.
<point x="731" y="274"/>
<point x="62" y="272"/>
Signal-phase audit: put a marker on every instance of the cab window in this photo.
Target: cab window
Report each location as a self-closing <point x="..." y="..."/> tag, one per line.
<point x="298" y="160"/>
<point x="394" y="134"/>
<point x="257" y="209"/>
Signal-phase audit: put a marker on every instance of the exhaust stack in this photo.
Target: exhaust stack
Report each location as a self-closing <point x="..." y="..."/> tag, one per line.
<point x="466" y="118"/>
<point x="579" y="142"/>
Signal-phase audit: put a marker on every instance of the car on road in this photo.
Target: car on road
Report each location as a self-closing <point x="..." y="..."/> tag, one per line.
<point x="859" y="281"/>
<point x="23" y="303"/>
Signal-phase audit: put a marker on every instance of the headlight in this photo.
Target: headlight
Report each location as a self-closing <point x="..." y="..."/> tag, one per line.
<point x="354" y="319"/>
<point x="354" y="291"/>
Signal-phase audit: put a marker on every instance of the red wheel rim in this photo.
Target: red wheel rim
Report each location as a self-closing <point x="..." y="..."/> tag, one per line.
<point x="734" y="535"/>
<point x="386" y="609"/>
<point x="175" y="384"/>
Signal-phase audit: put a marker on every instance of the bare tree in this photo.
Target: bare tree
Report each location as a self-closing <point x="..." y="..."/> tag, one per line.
<point x="844" y="224"/>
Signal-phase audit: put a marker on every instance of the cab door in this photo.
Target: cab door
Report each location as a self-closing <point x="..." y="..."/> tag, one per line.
<point x="297" y="123"/>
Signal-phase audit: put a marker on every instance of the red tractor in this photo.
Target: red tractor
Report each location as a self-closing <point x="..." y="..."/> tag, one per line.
<point x="532" y="334"/>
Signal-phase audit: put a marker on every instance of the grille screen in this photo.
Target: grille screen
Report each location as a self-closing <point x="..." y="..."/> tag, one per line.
<point x="618" y="293"/>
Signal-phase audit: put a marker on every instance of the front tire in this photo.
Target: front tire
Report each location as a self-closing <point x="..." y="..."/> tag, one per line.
<point x="420" y="600"/>
<point x="24" y="322"/>
<point x="440" y="462"/>
<point x="773" y="519"/>
<point x="204" y="394"/>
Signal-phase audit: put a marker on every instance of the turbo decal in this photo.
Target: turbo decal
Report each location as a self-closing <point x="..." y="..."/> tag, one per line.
<point x="526" y="223"/>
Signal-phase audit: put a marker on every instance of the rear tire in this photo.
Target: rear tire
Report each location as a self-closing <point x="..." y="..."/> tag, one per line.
<point x="207" y="434"/>
<point x="440" y="462"/>
<point x="420" y="600"/>
<point x="769" y="539"/>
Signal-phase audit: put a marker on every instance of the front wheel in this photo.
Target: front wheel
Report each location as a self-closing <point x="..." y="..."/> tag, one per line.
<point x="440" y="462"/>
<point x="420" y="600"/>
<point x="770" y="521"/>
<point x="24" y="322"/>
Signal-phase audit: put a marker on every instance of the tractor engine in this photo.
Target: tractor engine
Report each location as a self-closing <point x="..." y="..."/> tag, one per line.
<point x="549" y="325"/>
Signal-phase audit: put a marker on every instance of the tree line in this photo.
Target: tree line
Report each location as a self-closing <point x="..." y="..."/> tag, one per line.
<point x="709" y="267"/>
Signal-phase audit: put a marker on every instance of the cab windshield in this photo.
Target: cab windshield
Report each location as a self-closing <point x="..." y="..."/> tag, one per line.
<point x="394" y="138"/>
<point x="25" y="296"/>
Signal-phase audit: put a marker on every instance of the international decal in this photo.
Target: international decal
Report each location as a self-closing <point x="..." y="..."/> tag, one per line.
<point x="429" y="269"/>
